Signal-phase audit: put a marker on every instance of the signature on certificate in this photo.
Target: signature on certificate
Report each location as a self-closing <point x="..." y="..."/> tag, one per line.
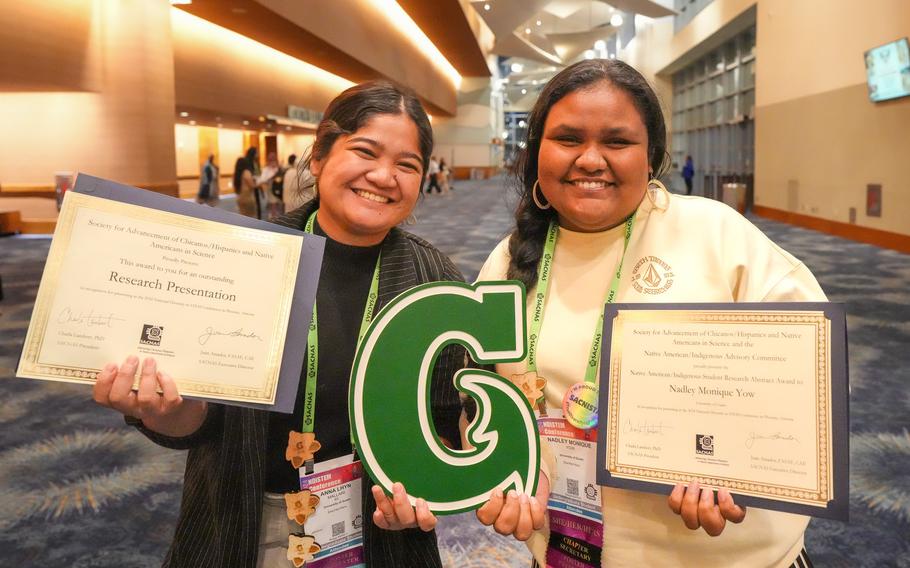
<point x="643" y="427"/>
<point x="90" y="319"/>
<point x="211" y="332"/>
<point x="750" y="440"/>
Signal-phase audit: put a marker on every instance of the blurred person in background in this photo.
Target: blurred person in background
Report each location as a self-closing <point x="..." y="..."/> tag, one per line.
<point x="245" y="171"/>
<point x="208" y="182"/>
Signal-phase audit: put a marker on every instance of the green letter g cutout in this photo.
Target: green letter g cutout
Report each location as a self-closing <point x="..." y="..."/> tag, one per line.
<point x="390" y="395"/>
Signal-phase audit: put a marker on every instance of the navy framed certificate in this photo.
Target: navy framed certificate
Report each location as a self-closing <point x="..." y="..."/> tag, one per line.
<point x="222" y="301"/>
<point x="751" y="397"/>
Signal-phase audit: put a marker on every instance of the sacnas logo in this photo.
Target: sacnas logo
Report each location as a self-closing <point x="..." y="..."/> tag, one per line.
<point x="151" y="335"/>
<point x="704" y="444"/>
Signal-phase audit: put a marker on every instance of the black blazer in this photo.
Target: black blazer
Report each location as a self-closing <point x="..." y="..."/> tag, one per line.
<point x="221" y="510"/>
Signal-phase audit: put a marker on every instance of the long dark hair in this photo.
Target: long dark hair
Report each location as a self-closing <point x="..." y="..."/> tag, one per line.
<point x="531" y="222"/>
<point x="350" y="110"/>
<point x="245" y="162"/>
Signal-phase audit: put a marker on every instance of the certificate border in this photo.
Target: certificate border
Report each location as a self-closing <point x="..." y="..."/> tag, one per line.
<point x="833" y="421"/>
<point x="292" y="319"/>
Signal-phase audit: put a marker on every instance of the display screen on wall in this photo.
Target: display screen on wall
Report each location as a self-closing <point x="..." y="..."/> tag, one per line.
<point x="888" y="70"/>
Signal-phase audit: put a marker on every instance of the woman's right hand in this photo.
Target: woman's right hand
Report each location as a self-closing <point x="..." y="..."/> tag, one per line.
<point x="166" y="412"/>
<point x="517" y="514"/>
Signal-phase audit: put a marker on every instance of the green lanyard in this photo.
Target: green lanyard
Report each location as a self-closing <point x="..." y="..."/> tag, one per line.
<point x="312" y="356"/>
<point x="543" y="283"/>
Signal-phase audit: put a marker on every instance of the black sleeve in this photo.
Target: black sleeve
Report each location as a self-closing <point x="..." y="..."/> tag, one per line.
<point x="206" y="433"/>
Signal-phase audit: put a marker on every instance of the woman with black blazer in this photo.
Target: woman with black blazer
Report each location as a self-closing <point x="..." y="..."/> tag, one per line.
<point x="367" y="164"/>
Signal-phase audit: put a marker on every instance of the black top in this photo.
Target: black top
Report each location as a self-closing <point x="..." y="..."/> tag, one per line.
<point x="221" y="510"/>
<point x="340" y="299"/>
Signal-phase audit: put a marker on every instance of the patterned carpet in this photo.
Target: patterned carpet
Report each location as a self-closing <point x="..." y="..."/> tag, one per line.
<point x="79" y="489"/>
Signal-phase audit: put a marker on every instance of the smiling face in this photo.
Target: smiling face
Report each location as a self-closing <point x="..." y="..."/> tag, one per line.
<point x="593" y="159"/>
<point x="370" y="180"/>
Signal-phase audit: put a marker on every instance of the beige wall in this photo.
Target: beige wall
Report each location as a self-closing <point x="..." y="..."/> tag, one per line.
<point x="50" y="46"/>
<point x="224" y="72"/>
<point x="374" y="32"/>
<point x="819" y="139"/>
<point x="464" y="140"/>
<point x="123" y="131"/>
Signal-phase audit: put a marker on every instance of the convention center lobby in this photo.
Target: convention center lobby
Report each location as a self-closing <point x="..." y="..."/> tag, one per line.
<point x="787" y="143"/>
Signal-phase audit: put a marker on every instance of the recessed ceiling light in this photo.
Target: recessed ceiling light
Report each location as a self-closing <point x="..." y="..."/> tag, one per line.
<point x="600" y="44"/>
<point x="184" y="114"/>
<point x="486" y="7"/>
<point x="539" y="23"/>
<point x="589" y="54"/>
<point x="192" y="123"/>
<point x="517" y="67"/>
<point x="616" y="20"/>
<point x="534" y="82"/>
<point x="246" y="122"/>
<point x="527" y="30"/>
<point x="524" y="91"/>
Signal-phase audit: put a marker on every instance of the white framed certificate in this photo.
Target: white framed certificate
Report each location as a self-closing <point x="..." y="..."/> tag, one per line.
<point x="747" y="397"/>
<point x="214" y="297"/>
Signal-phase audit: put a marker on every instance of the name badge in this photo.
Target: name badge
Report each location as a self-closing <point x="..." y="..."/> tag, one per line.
<point x="337" y="524"/>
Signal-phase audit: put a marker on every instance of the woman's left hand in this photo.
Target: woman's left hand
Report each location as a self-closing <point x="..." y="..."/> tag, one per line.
<point x="397" y="513"/>
<point x="697" y="509"/>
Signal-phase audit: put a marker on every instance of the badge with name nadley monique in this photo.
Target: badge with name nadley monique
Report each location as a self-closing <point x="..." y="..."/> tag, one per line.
<point x="404" y="341"/>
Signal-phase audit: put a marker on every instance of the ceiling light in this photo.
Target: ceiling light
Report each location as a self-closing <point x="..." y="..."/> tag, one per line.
<point x="486" y="7"/>
<point x="246" y="122"/>
<point x="184" y="114"/>
<point x="616" y="20"/>
<point x="524" y="91"/>
<point x="612" y="56"/>
<point x="517" y="67"/>
<point x="287" y="127"/>
<point x="220" y="125"/>
<point x="527" y="30"/>
<point x="538" y="22"/>
<point x="505" y="134"/>
<point x="534" y="82"/>
<point x="600" y="44"/>
<point x="192" y="123"/>
<point x="589" y="54"/>
<point x="522" y="124"/>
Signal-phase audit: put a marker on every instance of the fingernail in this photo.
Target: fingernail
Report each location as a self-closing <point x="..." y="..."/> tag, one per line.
<point x="707" y="494"/>
<point x="512" y="494"/>
<point x="110" y="367"/>
<point x="132" y="360"/>
<point x="147" y="363"/>
<point x="497" y="492"/>
<point x="523" y="498"/>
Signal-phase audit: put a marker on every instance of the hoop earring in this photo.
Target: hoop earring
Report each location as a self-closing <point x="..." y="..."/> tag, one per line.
<point x="534" y="196"/>
<point x="659" y="186"/>
<point x="411" y="219"/>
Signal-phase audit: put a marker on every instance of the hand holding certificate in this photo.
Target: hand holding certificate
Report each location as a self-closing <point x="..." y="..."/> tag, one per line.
<point x="747" y="397"/>
<point x="212" y="296"/>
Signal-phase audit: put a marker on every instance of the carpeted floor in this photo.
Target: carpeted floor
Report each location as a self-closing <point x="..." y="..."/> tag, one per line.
<point x="79" y="489"/>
